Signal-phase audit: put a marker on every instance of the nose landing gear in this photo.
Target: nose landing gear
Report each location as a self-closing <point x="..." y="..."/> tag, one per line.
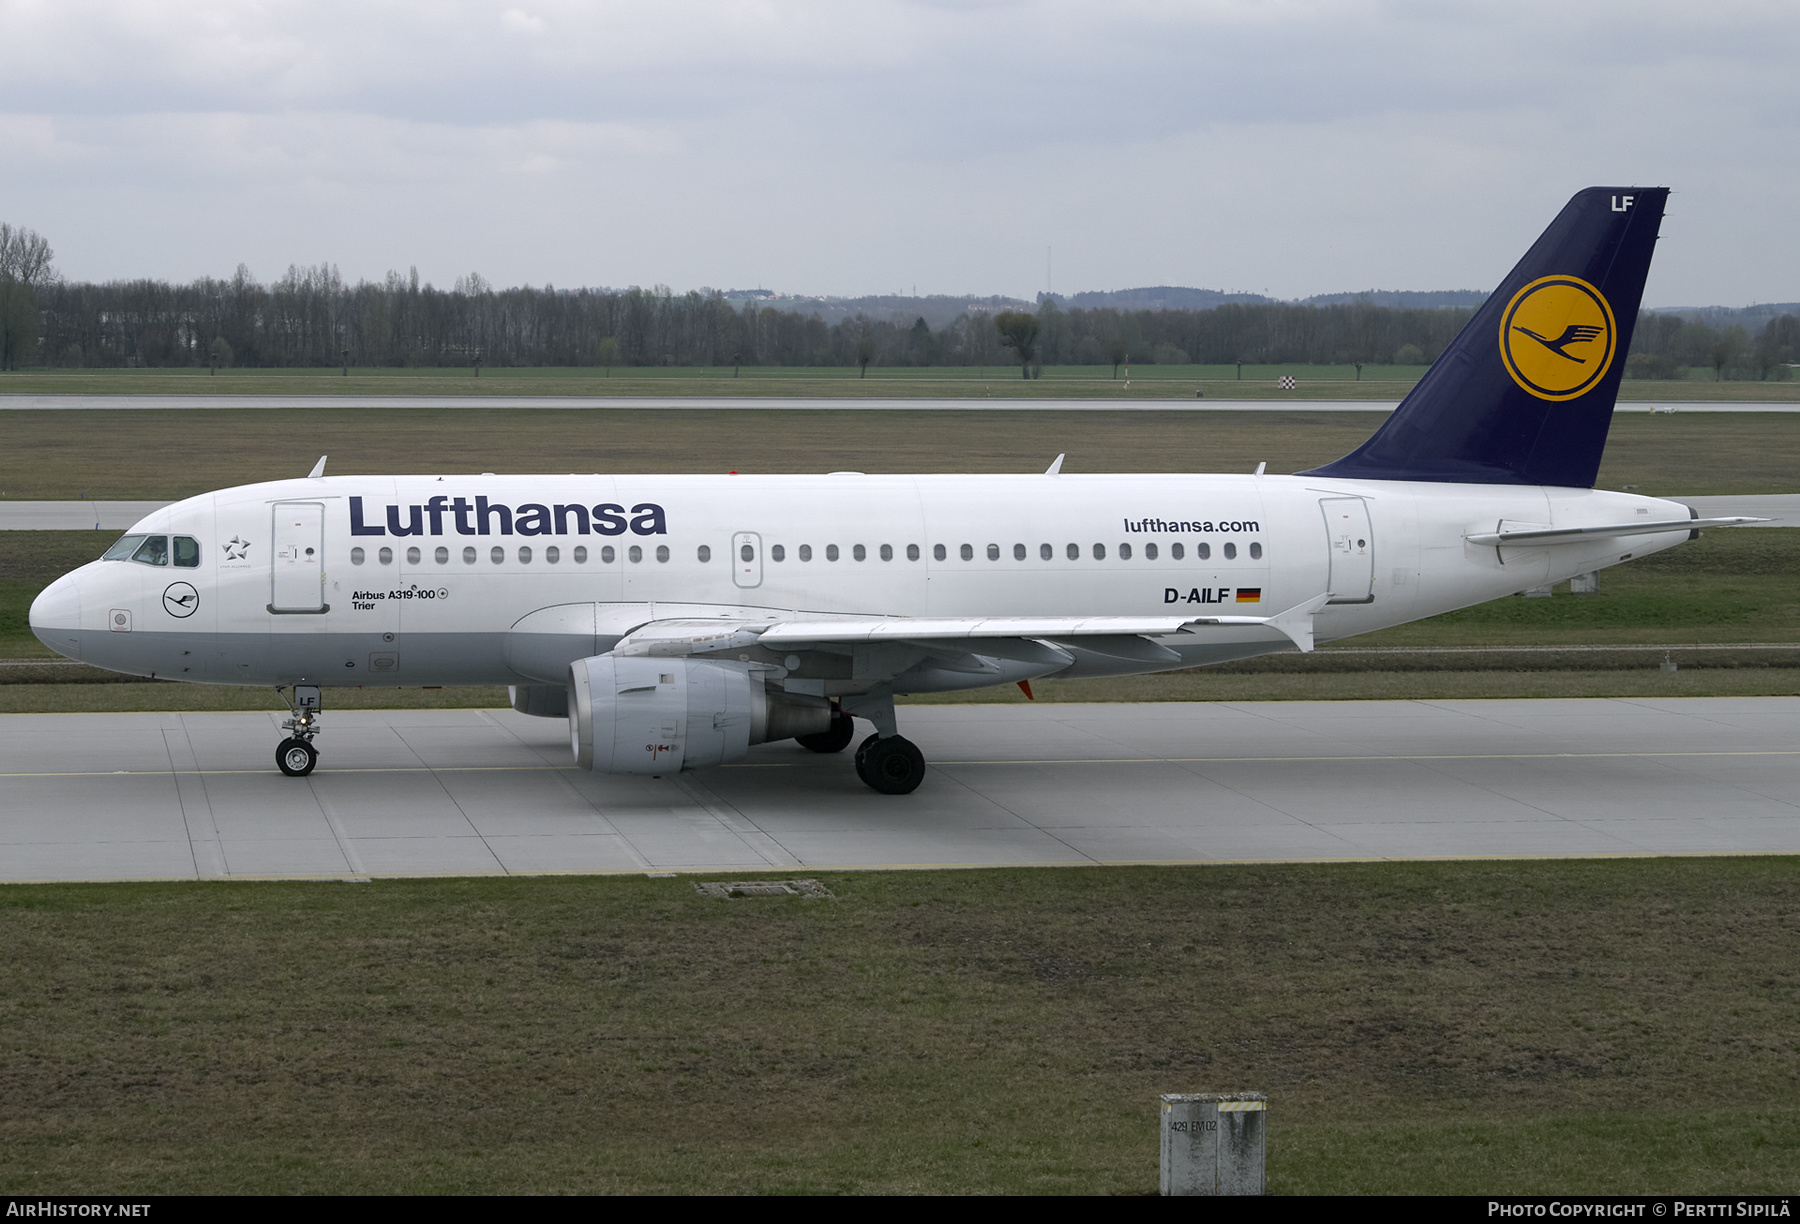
<point x="296" y="756"/>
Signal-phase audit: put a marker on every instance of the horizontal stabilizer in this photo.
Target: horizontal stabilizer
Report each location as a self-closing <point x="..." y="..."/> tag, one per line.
<point x="1565" y="535"/>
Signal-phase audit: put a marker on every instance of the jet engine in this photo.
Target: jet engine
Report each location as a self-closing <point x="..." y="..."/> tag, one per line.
<point x="648" y="715"/>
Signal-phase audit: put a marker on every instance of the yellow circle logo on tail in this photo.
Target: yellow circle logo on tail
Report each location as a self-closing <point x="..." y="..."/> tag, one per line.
<point x="1557" y="337"/>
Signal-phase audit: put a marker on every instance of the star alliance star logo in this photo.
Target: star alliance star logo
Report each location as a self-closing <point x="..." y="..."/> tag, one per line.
<point x="236" y="549"/>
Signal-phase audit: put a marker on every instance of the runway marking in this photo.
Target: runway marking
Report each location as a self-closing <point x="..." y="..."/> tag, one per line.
<point x="1242" y="760"/>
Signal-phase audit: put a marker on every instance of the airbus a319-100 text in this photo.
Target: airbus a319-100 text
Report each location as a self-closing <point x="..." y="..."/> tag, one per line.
<point x="674" y="621"/>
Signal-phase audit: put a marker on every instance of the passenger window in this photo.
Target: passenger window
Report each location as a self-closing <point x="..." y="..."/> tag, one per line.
<point x="356" y="556"/>
<point x="122" y="550"/>
<point x="469" y="555"/>
<point x="1124" y="552"/>
<point x="1231" y="552"/>
<point x="1099" y="552"/>
<point x="993" y="552"/>
<point x="968" y="553"/>
<point x="1203" y="550"/>
<point x="187" y="552"/>
<point x="1018" y="552"/>
<point x="777" y="552"/>
<point x="1176" y="550"/>
<point x="385" y="556"/>
<point x="412" y="556"/>
<point x="524" y="554"/>
<point x="580" y="554"/>
<point x="1150" y="552"/>
<point x="607" y="554"/>
<point x="831" y="552"/>
<point x="887" y="552"/>
<point x="442" y="555"/>
<point x="746" y="553"/>
<point x="153" y="551"/>
<point x="704" y="553"/>
<point x="806" y="552"/>
<point x="634" y="554"/>
<point x="552" y="554"/>
<point x="912" y="552"/>
<point x="939" y="552"/>
<point x="1256" y="552"/>
<point x="859" y="553"/>
<point x="496" y="554"/>
<point x="1074" y="552"/>
<point x="1045" y="552"/>
<point x="662" y="552"/>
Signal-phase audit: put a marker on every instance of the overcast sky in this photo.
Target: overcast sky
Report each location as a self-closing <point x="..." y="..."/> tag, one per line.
<point x="848" y="148"/>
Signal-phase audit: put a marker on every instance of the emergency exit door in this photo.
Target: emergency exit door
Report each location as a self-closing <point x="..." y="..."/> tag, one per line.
<point x="746" y="559"/>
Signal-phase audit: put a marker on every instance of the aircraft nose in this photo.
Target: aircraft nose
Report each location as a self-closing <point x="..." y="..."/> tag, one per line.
<point x="56" y="617"/>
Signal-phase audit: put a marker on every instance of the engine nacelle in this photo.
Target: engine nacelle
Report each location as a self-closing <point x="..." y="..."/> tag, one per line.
<point x="646" y="715"/>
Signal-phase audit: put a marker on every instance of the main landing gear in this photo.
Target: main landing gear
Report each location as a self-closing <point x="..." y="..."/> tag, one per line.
<point x="887" y="761"/>
<point x="296" y="755"/>
<point x="892" y="764"/>
<point x="835" y="738"/>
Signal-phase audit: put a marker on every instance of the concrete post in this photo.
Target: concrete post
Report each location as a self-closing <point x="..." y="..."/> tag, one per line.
<point x="1213" y="1143"/>
<point x="1585" y="584"/>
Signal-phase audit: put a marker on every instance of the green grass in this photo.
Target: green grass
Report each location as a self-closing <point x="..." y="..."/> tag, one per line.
<point x="929" y="382"/>
<point x="144" y="454"/>
<point x="1622" y="1026"/>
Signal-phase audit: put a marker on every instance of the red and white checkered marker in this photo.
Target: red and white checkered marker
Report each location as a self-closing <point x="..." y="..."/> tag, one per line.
<point x="1285" y="382"/>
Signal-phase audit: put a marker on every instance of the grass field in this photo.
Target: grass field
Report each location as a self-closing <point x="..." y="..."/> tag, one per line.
<point x="929" y="382"/>
<point x="132" y="454"/>
<point x="1603" y="1027"/>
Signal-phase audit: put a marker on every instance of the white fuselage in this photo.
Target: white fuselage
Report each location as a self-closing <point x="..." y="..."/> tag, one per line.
<point x="452" y="603"/>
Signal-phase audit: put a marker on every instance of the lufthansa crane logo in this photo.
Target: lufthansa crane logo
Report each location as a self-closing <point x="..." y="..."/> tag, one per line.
<point x="1557" y="337"/>
<point x="180" y="599"/>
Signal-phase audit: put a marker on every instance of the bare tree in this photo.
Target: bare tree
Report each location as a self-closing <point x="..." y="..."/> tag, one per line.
<point x="24" y="267"/>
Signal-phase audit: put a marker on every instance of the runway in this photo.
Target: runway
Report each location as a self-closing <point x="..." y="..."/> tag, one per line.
<point x="481" y="792"/>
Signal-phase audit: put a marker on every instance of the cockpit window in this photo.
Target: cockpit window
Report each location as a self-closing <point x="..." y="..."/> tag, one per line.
<point x="187" y="552"/>
<point x="123" y="549"/>
<point x="153" y="551"/>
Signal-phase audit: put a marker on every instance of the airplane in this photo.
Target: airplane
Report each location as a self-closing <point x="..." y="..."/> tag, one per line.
<point x="674" y="621"/>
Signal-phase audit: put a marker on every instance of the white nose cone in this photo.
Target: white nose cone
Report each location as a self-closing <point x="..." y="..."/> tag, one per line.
<point x="56" y="617"/>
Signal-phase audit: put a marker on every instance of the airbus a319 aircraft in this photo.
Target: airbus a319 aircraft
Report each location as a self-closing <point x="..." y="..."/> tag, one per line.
<point x="674" y="621"/>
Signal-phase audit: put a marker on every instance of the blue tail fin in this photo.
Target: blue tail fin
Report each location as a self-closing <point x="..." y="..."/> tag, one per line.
<point x="1525" y="392"/>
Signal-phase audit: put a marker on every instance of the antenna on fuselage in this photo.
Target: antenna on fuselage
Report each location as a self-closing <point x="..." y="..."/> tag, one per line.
<point x="318" y="468"/>
<point x="1055" y="467"/>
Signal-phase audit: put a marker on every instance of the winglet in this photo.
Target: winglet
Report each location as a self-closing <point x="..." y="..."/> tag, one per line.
<point x="1297" y="621"/>
<point x="1055" y="468"/>
<point x="318" y="468"/>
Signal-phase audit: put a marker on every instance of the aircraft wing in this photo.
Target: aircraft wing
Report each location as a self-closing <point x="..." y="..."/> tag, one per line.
<point x="1121" y="636"/>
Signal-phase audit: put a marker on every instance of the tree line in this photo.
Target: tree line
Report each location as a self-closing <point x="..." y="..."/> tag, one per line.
<point x="311" y="317"/>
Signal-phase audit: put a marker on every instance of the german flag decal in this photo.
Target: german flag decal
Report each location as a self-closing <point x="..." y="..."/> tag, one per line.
<point x="1249" y="594"/>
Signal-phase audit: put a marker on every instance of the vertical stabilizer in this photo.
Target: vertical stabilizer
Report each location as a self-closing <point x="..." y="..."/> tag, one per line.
<point x="1525" y="393"/>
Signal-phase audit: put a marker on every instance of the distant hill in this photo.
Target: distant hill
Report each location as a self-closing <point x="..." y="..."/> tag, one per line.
<point x="1407" y="299"/>
<point x="1751" y="318"/>
<point x="936" y="309"/>
<point x="1160" y="297"/>
<point x="1171" y="297"/>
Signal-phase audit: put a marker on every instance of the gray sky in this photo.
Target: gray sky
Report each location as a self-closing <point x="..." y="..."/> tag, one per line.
<point x="1282" y="146"/>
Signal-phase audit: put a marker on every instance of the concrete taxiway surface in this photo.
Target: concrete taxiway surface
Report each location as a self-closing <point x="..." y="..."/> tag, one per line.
<point x="181" y="796"/>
